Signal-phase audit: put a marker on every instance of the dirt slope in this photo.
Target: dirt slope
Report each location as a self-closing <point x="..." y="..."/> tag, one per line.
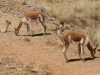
<point x="21" y="54"/>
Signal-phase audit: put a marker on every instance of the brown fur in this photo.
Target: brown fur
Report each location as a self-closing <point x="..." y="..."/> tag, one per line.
<point x="34" y="15"/>
<point x="76" y="36"/>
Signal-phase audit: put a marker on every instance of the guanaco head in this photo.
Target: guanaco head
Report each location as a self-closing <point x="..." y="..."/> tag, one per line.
<point x="61" y="28"/>
<point x="8" y="22"/>
<point x="93" y="51"/>
<point x="16" y="31"/>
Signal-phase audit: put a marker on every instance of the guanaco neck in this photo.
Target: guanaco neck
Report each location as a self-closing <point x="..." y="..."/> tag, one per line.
<point x="19" y="26"/>
<point x="90" y="48"/>
<point x="7" y="27"/>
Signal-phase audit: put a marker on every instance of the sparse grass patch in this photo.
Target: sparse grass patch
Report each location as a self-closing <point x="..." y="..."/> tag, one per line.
<point x="46" y="69"/>
<point x="9" y="66"/>
<point x="29" y="67"/>
<point x="95" y="34"/>
<point x="26" y="39"/>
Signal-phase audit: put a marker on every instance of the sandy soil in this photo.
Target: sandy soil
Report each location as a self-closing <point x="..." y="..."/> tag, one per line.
<point x="43" y="52"/>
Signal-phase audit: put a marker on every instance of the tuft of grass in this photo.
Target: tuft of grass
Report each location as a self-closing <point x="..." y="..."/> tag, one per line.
<point x="26" y="39"/>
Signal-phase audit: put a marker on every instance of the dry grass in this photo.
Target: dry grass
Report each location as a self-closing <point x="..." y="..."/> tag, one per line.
<point x="9" y="66"/>
<point x="95" y="34"/>
<point x="69" y="11"/>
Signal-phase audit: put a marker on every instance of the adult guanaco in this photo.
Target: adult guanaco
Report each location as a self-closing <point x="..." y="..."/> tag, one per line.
<point x="28" y="17"/>
<point x="75" y="37"/>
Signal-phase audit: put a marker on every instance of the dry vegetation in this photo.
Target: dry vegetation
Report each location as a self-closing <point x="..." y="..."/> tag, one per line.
<point x="8" y="66"/>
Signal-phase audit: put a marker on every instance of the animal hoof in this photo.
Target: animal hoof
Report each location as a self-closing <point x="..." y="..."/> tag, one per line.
<point x="83" y="60"/>
<point x="67" y="62"/>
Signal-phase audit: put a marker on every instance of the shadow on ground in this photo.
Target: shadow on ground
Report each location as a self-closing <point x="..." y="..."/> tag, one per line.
<point x="86" y="59"/>
<point x="39" y="34"/>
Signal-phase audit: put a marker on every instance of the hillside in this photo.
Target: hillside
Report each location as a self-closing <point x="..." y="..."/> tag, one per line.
<point x="38" y="54"/>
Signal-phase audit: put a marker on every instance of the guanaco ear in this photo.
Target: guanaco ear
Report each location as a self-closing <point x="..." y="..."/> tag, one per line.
<point x="8" y="22"/>
<point x="14" y="28"/>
